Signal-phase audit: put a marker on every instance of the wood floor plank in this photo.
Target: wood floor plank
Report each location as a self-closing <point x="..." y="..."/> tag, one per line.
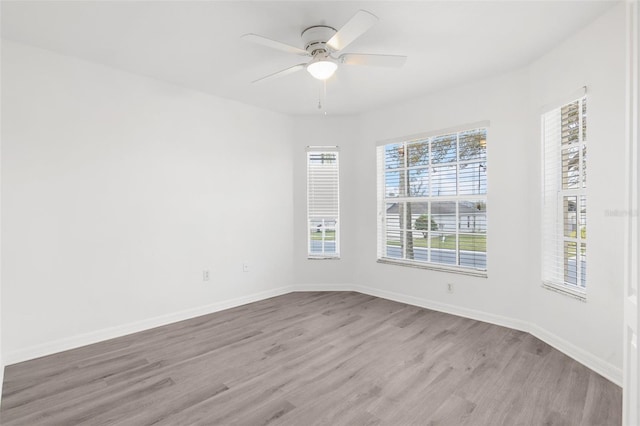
<point x="312" y="358"/>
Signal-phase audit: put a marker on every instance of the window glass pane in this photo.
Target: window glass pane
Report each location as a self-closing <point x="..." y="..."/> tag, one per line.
<point x="418" y="153"/>
<point x="443" y="181"/>
<point x="473" y="145"/>
<point x="584" y="166"/>
<point x="569" y="211"/>
<point x="570" y="123"/>
<point x="409" y="249"/>
<point x="425" y="223"/>
<point x="443" y="149"/>
<point x="393" y="216"/>
<point x="584" y="119"/>
<point x="570" y="263"/>
<point x="322" y="241"/>
<point x="420" y="243"/>
<point x="394" y="184"/>
<point x="443" y="214"/>
<point x="472" y="217"/>
<point x="315" y="241"/>
<point x="473" y="251"/>
<point x="473" y="178"/>
<point x="443" y="248"/>
<point x="394" y="156"/>
<point x="416" y="210"/>
<point x="394" y="243"/>
<point x="570" y="168"/>
<point x="583" y="265"/>
<point x="419" y="182"/>
<point x="582" y="217"/>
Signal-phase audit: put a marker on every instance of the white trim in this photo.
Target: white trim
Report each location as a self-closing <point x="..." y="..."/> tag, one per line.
<point x="565" y="290"/>
<point x="482" y="273"/>
<point x="631" y="325"/>
<point x="418" y="136"/>
<point x="446" y="308"/>
<point x="324" y="287"/>
<point x="600" y="366"/>
<point x="79" y="340"/>
<point x="323" y="257"/>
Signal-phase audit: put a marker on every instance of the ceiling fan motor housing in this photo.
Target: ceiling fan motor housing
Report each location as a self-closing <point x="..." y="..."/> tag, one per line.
<point x="315" y="39"/>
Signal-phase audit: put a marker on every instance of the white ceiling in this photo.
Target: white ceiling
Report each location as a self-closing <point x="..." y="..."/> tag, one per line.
<point x="197" y="44"/>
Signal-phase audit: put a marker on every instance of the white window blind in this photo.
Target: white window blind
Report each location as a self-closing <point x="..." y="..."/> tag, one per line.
<point x="564" y="216"/>
<point x="432" y="201"/>
<point x="323" y="202"/>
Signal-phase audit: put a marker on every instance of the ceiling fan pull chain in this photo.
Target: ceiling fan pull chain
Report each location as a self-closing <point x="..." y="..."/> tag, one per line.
<point x="322" y="95"/>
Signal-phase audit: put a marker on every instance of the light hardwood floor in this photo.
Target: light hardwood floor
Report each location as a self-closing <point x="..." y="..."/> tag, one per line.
<point x="307" y="358"/>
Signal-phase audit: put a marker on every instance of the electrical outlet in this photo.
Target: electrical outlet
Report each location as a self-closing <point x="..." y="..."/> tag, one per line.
<point x="245" y="266"/>
<point x="449" y="287"/>
<point x="205" y="275"/>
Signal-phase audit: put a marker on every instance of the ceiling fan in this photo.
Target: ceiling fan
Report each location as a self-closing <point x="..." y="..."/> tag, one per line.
<point x="322" y="43"/>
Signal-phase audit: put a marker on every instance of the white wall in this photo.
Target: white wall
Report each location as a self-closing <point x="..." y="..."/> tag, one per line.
<point x="119" y="190"/>
<point x="594" y="57"/>
<point x="325" y="131"/>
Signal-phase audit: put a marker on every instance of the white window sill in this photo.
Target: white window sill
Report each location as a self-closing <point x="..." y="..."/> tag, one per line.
<point x="566" y="290"/>
<point x="323" y="258"/>
<point x="435" y="267"/>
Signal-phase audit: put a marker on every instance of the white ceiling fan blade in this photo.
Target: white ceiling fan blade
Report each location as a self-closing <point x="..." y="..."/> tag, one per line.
<point x="395" y="61"/>
<point x="255" y="38"/>
<point x="357" y="25"/>
<point x="282" y="73"/>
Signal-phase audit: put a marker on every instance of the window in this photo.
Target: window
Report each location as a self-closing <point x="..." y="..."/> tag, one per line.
<point x="432" y="201"/>
<point x="323" y="203"/>
<point x="564" y="216"/>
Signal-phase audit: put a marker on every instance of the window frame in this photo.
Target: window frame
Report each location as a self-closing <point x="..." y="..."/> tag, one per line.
<point x="554" y="234"/>
<point x="311" y="227"/>
<point x="457" y="199"/>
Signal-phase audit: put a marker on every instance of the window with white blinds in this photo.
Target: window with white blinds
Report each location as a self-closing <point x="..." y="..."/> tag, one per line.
<point x="432" y="201"/>
<point x="564" y="193"/>
<point x="323" y="202"/>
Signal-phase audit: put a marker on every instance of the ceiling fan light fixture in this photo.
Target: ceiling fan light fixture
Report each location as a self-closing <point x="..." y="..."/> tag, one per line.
<point x="322" y="69"/>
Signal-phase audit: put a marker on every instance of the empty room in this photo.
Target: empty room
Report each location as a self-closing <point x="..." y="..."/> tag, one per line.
<point x="319" y="212"/>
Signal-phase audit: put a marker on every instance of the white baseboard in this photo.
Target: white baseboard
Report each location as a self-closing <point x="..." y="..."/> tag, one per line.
<point x="600" y="366"/>
<point x="446" y="308"/>
<point x="122" y="330"/>
<point x="324" y="287"/>
<point x="596" y="364"/>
